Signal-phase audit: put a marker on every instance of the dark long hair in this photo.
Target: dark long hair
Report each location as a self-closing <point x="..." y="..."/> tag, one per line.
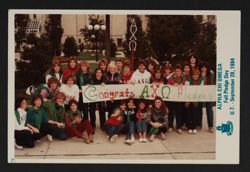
<point x="208" y="73"/>
<point x="19" y="101"/>
<point x="94" y="74"/>
<point x="163" y="105"/>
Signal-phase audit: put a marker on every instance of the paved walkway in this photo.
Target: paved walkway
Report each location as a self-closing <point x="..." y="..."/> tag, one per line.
<point x="177" y="146"/>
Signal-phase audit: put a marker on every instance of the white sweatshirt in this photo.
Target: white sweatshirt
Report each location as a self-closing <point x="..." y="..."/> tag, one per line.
<point x="72" y="92"/>
<point x="139" y="77"/>
<point x="23" y="115"/>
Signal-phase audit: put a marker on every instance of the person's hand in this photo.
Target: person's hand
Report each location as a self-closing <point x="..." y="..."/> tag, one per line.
<point x="77" y="120"/>
<point x="31" y="131"/>
<point x="80" y="91"/>
<point x="158" y="124"/>
<point x="60" y="125"/>
<point x="35" y="130"/>
<point x="63" y="125"/>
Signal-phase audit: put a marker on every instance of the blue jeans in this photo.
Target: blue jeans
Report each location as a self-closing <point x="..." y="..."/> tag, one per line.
<point x="210" y="114"/>
<point x="141" y="125"/>
<point x="112" y="130"/>
<point x="131" y="131"/>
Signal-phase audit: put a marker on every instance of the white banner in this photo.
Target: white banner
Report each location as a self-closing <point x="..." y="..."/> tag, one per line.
<point x="190" y="93"/>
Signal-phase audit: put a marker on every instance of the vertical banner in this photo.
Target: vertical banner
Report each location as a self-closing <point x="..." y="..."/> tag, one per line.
<point x="228" y="88"/>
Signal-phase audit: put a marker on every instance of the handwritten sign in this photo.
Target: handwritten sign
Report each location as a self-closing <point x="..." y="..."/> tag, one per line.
<point x="190" y="93"/>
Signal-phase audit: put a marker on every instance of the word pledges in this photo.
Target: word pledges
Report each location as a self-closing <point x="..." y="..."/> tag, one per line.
<point x="191" y="93"/>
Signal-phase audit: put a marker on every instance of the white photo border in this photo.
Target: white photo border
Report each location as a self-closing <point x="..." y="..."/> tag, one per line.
<point x="228" y="46"/>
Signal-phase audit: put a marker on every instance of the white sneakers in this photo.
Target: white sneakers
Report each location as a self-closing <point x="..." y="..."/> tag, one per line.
<point x="194" y="131"/>
<point x="113" y="138"/>
<point x="18" y="147"/>
<point x="179" y="131"/>
<point x="143" y="140"/>
<point x="133" y="139"/>
<point x="130" y="141"/>
<point x="50" y="138"/>
<point x="170" y="130"/>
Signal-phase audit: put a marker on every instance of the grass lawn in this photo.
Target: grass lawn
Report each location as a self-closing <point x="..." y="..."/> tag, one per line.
<point x="87" y="56"/>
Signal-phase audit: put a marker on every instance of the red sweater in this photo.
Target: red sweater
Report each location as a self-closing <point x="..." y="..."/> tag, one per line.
<point x="68" y="71"/>
<point x="178" y="81"/>
<point x="115" y="120"/>
<point x="126" y="78"/>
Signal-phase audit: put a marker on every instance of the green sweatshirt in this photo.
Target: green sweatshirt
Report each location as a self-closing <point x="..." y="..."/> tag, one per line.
<point x="54" y="112"/>
<point x="36" y="117"/>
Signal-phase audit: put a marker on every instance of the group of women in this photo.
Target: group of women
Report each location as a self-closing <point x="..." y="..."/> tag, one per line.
<point x="57" y="109"/>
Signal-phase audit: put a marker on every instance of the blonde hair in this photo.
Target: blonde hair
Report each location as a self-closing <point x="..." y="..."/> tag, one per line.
<point x="84" y="63"/>
<point x="111" y="65"/>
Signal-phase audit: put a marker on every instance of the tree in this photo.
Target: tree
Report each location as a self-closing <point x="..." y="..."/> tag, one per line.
<point x="172" y="35"/>
<point x="70" y="47"/>
<point x="36" y="59"/>
<point x="143" y="49"/>
<point x="54" y="33"/>
<point x="21" y="22"/>
<point x="99" y="36"/>
<point x="206" y="46"/>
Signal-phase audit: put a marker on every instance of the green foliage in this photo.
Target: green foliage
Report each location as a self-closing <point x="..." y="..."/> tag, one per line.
<point x="99" y="35"/>
<point x="88" y="56"/>
<point x="54" y="31"/>
<point x="70" y="47"/>
<point x="206" y="46"/>
<point x="174" y="38"/>
<point x="35" y="61"/>
<point x="172" y="34"/>
<point x="21" y="22"/>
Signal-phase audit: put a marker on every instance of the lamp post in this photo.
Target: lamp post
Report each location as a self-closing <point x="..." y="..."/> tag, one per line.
<point x="96" y="28"/>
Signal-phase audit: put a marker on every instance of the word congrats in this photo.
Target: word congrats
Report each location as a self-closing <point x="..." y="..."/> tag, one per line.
<point x="188" y="93"/>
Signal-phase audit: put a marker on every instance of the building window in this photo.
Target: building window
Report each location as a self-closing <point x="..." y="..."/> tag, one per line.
<point x="33" y="26"/>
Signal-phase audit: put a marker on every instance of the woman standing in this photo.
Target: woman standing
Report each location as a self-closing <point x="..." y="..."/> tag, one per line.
<point x="208" y="79"/>
<point x="71" y="69"/>
<point x="177" y="80"/>
<point x="194" y="62"/>
<point x="70" y="89"/>
<point x="98" y="79"/>
<point x="194" y="110"/>
<point x="127" y="73"/>
<point x="158" y="119"/>
<point x="83" y="78"/>
<point x="54" y="71"/>
<point x="23" y="135"/>
<point x="112" y="77"/>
